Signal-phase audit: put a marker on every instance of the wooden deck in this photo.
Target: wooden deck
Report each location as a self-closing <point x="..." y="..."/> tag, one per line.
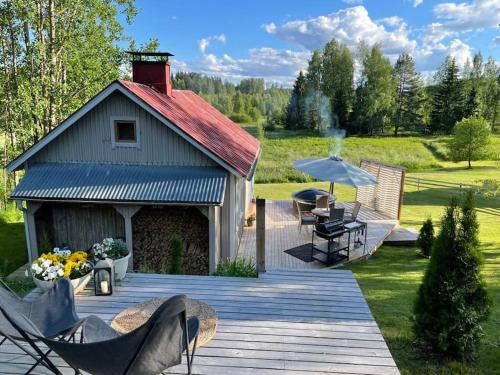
<point x="284" y="322"/>
<point x="282" y="234"/>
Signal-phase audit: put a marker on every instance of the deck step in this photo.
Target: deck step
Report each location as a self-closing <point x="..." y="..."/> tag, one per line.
<point x="402" y="236"/>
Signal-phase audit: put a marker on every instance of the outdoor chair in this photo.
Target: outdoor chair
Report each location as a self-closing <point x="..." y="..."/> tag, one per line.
<point x="51" y="315"/>
<point x="322" y="201"/>
<point x="148" y="350"/>
<point x="336" y="214"/>
<point x="352" y="216"/>
<point x="306" y="217"/>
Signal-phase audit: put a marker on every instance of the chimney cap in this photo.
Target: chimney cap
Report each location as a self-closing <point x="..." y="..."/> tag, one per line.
<point x="146" y="56"/>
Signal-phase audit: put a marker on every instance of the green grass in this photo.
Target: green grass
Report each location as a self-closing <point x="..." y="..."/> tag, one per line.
<point x="390" y="278"/>
<point x="13" y="253"/>
<point x="282" y="147"/>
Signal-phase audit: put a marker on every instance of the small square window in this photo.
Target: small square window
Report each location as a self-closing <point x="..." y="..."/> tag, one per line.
<point x="125" y="132"/>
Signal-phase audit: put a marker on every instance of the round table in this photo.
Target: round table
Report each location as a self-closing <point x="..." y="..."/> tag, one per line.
<point x="136" y="315"/>
<point x="323" y="213"/>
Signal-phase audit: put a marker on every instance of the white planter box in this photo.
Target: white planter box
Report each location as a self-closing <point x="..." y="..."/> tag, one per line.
<point x="78" y="284"/>
<point x="120" y="267"/>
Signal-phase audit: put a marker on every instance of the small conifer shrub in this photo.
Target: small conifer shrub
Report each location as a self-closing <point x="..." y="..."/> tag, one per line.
<point x="452" y="302"/>
<point x="177" y="248"/>
<point x="426" y="237"/>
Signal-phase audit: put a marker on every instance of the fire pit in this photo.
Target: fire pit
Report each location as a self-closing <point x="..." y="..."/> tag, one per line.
<point x="308" y="197"/>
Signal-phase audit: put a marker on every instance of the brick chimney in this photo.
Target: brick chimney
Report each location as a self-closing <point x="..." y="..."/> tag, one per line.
<point x="153" y="69"/>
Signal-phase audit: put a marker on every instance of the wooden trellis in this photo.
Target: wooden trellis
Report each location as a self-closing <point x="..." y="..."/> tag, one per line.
<point x="387" y="196"/>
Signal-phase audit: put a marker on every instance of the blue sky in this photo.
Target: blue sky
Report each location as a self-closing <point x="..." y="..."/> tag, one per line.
<point x="274" y="38"/>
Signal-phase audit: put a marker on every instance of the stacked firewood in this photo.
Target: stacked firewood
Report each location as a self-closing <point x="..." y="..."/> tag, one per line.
<point x="152" y="229"/>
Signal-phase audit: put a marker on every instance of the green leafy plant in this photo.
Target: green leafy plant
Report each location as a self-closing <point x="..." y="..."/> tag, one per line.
<point x="109" y="248"/>
<point x="452" y="301"/>
<point x="426" y="237"/>
<point x="45" y="245"/>
<point x="177" y="248"/>
<point x="469" y="141"/>
<point x="238" y="267"/>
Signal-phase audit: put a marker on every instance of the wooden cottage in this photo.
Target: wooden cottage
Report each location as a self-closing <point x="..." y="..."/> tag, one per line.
<point x="141" y="161"/>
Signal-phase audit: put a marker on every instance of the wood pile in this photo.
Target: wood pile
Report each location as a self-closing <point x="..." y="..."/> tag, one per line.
<point x="152" y="228"/>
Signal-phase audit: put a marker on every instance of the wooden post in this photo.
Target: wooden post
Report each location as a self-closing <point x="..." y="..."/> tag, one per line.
<point x="127" y="211"/>
<point x="261" y="235"/>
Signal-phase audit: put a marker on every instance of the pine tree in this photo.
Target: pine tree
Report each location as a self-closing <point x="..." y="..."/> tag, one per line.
<point x="426" y="238"/>
<point x="313" y="94"/>
<point x="471" y="106"/>
<point x="452" y="301"/>
<point x="491" y="98"/>
<point x="295" y="117"/>
<point x="337" y="85"/>
<point x="377" y="87"/>
<point x="447" y="104"/>
<point x="409" y="95"/>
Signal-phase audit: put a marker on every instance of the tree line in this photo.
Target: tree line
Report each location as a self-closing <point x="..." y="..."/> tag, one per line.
<point x="247" y="101"/>
<point x="389" y="97"/>
<point x="54" y="56"/>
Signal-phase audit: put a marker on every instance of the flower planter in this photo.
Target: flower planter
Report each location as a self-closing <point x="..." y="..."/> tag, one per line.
<point x="78" y="284"/>
<point x="250" y="223"/>
<point x="120" y="266"/>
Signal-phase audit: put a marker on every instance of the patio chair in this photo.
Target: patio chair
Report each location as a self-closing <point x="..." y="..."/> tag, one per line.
<point x="336" y="214"/>
<point x="305" y="215"/>
<point x="148" y="350"/>
<point x="322" y="201"/>
<point x="352" y="216"/>
<point x="51" y="315"/>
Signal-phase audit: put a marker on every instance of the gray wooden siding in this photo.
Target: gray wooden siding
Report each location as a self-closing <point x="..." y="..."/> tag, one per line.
<point x="89" y="140"/>
<point x="240" y="206"/>
<point x="77" y="225"/>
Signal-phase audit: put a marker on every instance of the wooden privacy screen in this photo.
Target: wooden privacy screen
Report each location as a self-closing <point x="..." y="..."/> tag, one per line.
<point x="387" y="196"/>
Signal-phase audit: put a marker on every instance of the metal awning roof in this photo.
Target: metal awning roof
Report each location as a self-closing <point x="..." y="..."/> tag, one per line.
<point x="122" y="183"/>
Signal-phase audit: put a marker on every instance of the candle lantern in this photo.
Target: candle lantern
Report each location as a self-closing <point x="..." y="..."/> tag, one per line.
<point x="103" y="278"/>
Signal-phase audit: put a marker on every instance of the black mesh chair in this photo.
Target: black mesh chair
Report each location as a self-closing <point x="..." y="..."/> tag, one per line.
<point x="51" y="315"/>
<point x="336" y="214"/>
<point x="148" y="350"/>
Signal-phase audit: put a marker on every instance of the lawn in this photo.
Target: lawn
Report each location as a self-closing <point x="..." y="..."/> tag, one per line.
<point x="282" y="147"/>
<point x="13" y="253"/>
<point x="390" y="278"/>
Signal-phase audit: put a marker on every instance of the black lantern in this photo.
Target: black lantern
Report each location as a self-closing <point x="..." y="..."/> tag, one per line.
<point x="103" y="278"/>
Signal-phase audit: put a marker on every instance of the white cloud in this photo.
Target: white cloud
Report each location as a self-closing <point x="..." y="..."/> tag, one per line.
<point x="392" y="21"/>
<point x="496" y="40"/>
<point x="458" y="18"/>
<point x="430" y="56"/>
<point x="416" y="3"/>
<point x="348" y="26"/>
<point x="203" y="43"/>
<point x="275" y="66"/>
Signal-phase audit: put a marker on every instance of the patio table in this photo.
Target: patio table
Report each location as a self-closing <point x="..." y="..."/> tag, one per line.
<point x="136" y="315"/>
<point x="323" y="213"/>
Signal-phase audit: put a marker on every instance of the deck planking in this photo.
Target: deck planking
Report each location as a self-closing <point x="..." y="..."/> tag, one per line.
<point x="298" y="322"/>
<point x="282" y="234"/>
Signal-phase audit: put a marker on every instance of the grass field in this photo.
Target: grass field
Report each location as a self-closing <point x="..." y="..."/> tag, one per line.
<point x="390" y="278"/>
<point x="13" y="252"/>
<point x="282" y="147"/>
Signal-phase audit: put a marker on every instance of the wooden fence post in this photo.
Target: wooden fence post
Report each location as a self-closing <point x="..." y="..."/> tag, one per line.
<point x="261" y="235"/>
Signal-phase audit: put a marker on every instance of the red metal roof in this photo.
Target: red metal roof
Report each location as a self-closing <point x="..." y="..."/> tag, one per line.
<point x="204" y="124"/>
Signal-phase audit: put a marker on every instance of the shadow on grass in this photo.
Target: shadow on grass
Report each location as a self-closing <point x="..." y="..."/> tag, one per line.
<point x="439" y="155"/>
<point x="441" y="197"/>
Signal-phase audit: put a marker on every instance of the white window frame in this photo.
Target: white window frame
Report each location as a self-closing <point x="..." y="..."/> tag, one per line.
<point x="117" y="144"/>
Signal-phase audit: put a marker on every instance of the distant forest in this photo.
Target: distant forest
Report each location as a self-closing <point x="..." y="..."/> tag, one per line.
<point x="386" y="97"/>
<point x="248" y="101"/>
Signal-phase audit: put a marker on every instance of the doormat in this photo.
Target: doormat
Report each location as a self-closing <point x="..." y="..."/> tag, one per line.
<point x="302" y="252"/>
